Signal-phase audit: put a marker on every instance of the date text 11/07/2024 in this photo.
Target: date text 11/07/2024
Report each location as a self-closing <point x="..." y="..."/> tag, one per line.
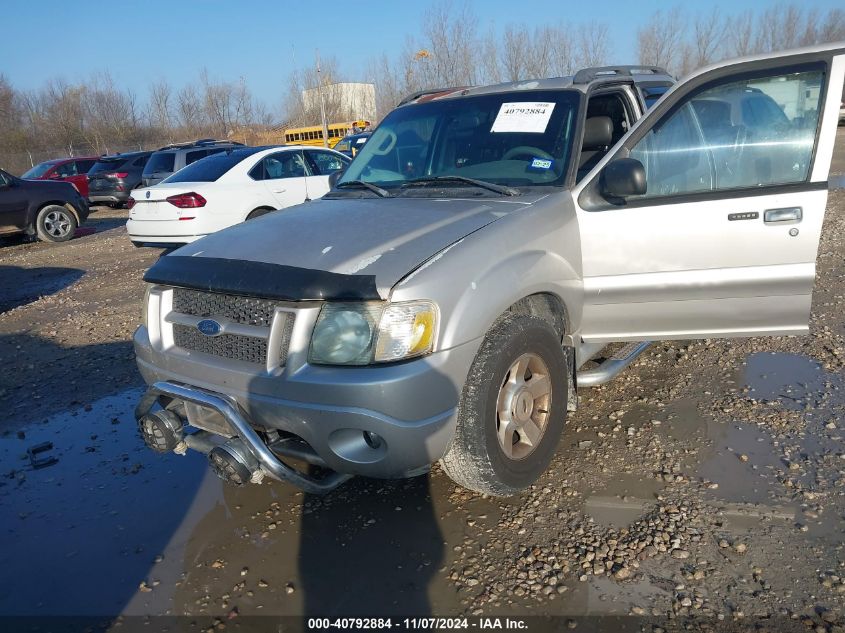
<point x="481" y="623"/>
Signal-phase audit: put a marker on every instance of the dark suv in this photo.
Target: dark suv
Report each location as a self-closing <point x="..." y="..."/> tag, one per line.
<point x="113" y="177"/>
<point x="172" y="158"/>
<point x="49" y="209"/>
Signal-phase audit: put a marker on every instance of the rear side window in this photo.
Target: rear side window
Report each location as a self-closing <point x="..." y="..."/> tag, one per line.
<point x="160" y="161"/>
<point x="210" y="168"/>
<point x="284" y="165"/>
<point x="192" y="157"/>
<point x="82" y="166"/>
<point x="652" y="93"/>
<point x="141" y="161"/>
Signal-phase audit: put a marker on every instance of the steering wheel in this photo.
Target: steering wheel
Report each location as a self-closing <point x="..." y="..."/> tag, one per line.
<point x="526" y="150"/>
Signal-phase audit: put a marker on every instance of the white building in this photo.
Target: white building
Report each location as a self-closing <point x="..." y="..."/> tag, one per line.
<point x="357" y="100"/>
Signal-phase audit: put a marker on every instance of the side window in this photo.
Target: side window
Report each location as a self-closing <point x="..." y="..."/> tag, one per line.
<point x="736" y="134"/>
<point x="257" y="172"/>
<point x="141" y="161"/>
<point x="284" y="165"/>
<point x="68" y="169"/>
<point x="652" y="93"/>
<point x="612" y="107"/>
<point x="192" y="157"/>
<point x="326" y="162"/>
<point x="3" y="180"/>
<point x="82" y="166"/>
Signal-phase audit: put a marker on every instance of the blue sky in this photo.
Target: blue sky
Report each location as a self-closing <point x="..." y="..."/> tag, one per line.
<point x="264" y="40"/>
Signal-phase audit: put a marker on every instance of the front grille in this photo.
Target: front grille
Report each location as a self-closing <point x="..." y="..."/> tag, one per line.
<point x="233" y="346"/>
<point x="244" y="310"/>
<point x="258" y="313"/>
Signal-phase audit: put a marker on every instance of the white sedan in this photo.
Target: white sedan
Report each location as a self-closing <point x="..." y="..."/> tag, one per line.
<point x="227" y="188"/>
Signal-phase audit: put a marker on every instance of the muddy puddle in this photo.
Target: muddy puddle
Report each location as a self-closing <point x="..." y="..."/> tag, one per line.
<point x="123" y="530"/>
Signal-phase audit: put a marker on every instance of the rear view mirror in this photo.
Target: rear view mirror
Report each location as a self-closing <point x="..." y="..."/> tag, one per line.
<point x="335" y="176"/>
<point x="623" y="178"/>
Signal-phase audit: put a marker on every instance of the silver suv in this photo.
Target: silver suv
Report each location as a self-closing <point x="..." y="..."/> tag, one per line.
<point x="171" y="158"/>
<point x="440" y="303"/>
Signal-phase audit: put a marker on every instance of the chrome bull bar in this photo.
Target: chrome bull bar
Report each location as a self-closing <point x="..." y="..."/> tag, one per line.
<point x="232" y="413"/>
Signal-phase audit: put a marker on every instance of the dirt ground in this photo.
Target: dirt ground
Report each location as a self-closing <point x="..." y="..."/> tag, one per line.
<point x="703" y="488"/>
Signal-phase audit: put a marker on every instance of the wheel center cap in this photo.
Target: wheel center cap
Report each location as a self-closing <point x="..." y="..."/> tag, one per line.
<point x="523" y="405"/>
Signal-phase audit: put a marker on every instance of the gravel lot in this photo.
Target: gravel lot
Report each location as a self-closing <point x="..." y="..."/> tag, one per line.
<point x="704" y="487"/>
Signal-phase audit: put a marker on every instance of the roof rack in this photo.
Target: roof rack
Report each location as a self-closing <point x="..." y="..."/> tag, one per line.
<point x="198" y="143"/>
<point x="586" y="75"/>
<point x="429" y="91"/>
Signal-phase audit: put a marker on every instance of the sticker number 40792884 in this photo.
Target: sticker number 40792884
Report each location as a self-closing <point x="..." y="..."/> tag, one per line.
<point x="524" y="116"/>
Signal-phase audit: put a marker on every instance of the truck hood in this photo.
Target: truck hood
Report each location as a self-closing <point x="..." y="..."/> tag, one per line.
<point x="375" y="238"/>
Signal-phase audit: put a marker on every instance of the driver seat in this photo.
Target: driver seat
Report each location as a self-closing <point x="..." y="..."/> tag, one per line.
<point x="598" y="135"/>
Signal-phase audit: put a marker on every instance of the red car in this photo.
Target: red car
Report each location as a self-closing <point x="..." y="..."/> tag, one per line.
<point x="72" y="170"/>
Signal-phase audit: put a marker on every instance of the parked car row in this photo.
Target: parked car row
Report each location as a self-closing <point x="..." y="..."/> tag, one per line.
<point x="229" y="186"/>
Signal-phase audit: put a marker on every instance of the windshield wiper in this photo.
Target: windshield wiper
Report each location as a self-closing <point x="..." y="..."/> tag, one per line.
<point x="381" y="193"/>
<point x="490" y="186"/>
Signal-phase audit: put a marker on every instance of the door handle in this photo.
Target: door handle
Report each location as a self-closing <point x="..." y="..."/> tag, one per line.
<point x="279" y="190"/>
<point x="789" y="214"/>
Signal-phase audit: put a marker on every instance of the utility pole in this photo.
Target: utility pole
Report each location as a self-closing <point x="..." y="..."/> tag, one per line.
<point x="322" y="103"/>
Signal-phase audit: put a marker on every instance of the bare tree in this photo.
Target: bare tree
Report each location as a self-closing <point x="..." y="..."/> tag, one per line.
<point x="740" y="34"/>
<point x="660" y="43"/>
<point x="160" y="108"/>
<point x="516" y="53"/>
<point x="593" y="44"/>
<point x="708" y="32"/>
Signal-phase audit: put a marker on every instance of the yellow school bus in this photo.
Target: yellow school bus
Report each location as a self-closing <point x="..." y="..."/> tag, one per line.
<point x="313" y="134"/>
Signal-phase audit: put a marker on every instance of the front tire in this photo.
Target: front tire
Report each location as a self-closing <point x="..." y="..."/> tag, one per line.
<point x="512" y="410"/>
<point x="55" y="223"/>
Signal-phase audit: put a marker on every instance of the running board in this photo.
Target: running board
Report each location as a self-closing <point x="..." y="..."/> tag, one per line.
<point x="611" y="367"/>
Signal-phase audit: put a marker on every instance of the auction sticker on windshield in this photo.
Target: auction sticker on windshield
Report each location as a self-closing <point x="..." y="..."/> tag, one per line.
<point x="523" y="117"/>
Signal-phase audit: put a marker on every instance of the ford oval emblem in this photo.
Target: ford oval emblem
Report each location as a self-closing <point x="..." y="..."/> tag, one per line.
<point x="148" y="195"/>
<point x="210" y="327"/>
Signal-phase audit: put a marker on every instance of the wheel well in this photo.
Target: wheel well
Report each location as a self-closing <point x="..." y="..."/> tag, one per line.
<point x="545" y="306"/>
<point x="57" y="203"/>
<point x="261" y="208"/>
<point x="551" y="309"/>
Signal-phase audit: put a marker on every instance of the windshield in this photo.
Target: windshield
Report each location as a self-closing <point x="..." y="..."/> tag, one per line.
<point x="39" y="170"/>
<point x="106" y="165"/>
<point x="160" y="161"/>
<point x="515" y="139"/>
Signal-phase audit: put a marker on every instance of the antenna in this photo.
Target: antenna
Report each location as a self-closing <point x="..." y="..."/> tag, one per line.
<point x="305" y="171"/>
<point x="322" y="102"/>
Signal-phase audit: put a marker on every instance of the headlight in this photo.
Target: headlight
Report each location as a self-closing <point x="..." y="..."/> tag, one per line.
<point x="362" y="333"/>
<point x="344" y="333"/>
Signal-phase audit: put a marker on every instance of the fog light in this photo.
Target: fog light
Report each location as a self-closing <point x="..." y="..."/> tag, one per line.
<point x="161" y="430"/>
<point x="233" y="462"/>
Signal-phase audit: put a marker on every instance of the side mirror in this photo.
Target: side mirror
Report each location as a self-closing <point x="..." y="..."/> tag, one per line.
<point x="623" y="178"/>
<point x="335" y="176"/>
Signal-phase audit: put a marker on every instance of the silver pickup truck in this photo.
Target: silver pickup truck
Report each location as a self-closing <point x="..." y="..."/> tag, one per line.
<point x="440" y="302"/>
